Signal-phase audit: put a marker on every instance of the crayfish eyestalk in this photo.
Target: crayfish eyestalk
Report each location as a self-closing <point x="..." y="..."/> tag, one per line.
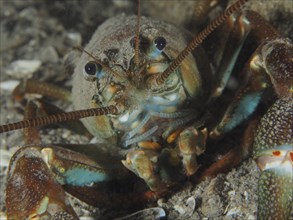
<point x="158" y="80"/>
<point x="105" y="67"/>
<point x="57" y="118"/>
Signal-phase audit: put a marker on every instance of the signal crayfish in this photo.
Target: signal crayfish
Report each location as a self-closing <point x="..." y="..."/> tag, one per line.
<point x="162" y="105"/>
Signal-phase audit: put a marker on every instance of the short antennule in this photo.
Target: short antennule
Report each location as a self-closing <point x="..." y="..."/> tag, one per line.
<point x="159" y="79"/>
<point x="57" y="118"/>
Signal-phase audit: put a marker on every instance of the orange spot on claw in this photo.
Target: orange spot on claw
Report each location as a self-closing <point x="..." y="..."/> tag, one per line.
<point x="291" y="156"/>
<point x="276" y="153"/>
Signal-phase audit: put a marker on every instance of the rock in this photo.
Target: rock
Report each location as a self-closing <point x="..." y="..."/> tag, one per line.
<point x="9" y="85"/>
<point x="23" y="68"/>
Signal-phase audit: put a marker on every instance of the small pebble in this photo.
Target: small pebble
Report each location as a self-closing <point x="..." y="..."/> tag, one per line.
<point x="233" y="211"/>
<point x="246" y="195"/>
<point x="190" y="203"/>
<point x="179" y="209"/>
<point x="161" y="202"/>
<point x="23" y="68"/>
<point x="86" y="218"/>
<point x="231" y="193"/>
<point x="9" y="85"/>
<point x="74" y="38"/>
<point x="5" y="157"/>
<point x="156" y="213"/>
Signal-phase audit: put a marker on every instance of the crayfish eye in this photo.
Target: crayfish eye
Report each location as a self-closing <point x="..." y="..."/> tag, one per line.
<point x="92" y="70"/>
<point x="160" y="43"/>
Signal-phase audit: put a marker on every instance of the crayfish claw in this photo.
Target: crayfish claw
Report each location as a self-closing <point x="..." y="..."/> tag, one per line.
<point x="142" y="163"/>
<point x="158" y="171"/>
<point x="273" y="152"/>
<point x="31" y="185"/>
<point x="275" y="195"/>
<point x="191" y="143"/>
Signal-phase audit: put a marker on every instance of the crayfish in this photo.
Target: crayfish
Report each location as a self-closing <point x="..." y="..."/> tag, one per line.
<point x="159" y="107"/>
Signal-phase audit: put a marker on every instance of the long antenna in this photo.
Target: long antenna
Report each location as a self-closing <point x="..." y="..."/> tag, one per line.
<point x="159" y="79"/>
<point x="57" y="118"/>
<point x="136" y="49"/>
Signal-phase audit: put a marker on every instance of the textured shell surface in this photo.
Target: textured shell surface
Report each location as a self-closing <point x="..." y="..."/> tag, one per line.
<point x="111" y="44"/>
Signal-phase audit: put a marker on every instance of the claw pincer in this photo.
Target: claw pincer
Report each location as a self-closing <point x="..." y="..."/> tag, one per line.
<point x="32" y="187"/>
<point x="273" y="151"/>
<point x="38" y="175"/>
